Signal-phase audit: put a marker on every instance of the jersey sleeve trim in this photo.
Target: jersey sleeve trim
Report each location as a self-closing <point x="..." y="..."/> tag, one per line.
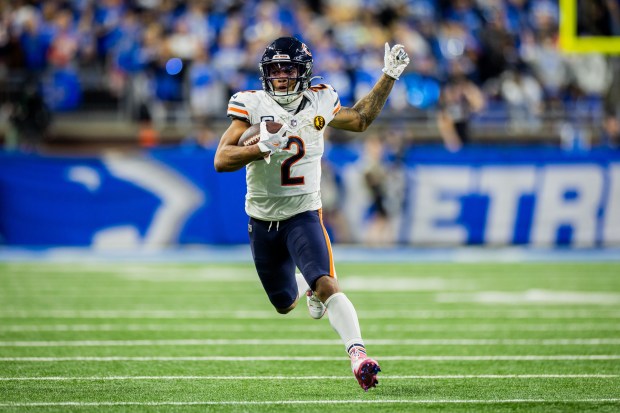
<point x="237" y="110"/>
<point x="337" y="108"/>
<point x="246" y="120"/>
<point x="320" y="86"/>
<point x="336" y="104"/>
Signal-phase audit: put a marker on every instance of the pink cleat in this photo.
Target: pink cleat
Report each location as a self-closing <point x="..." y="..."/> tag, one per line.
<point x="365" y="370"/>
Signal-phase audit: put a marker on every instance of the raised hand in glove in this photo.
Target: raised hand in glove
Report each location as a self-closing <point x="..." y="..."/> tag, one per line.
<point x="271" y="142"/>
<point x="395" y="60"/>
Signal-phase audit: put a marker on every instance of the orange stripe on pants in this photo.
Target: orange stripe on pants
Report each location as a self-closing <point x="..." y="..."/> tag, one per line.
<point x="332" y="268"/>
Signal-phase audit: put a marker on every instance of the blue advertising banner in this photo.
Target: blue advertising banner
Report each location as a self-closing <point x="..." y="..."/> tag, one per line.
<point x="164" y="197"/>
<point x="496" y="196"/>
<point x="426" y="196"/>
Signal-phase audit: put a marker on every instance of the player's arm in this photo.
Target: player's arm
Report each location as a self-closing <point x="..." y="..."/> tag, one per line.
<point x="230" y="157"/>
<point x="365" y="111"/>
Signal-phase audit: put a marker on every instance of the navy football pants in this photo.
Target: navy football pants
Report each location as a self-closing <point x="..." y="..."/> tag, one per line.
<point x="277" y="248"/>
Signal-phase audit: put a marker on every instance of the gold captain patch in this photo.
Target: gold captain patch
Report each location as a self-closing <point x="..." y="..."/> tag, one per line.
<point x="319" y="122"/>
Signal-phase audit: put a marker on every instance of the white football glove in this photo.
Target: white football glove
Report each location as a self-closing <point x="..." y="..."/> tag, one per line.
<point x="395" y="60"/>
<point x="271" y="142"/>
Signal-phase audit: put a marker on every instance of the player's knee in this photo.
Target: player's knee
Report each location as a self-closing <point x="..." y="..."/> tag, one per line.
<point x="283" y="308"/>
<point x="287" y="309"/>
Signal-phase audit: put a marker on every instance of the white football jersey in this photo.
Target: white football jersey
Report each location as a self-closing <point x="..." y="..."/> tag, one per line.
<point x="289" y="184"/>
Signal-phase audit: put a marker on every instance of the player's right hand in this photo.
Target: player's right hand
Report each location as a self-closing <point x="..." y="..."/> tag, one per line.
<point x="272" y="142"/>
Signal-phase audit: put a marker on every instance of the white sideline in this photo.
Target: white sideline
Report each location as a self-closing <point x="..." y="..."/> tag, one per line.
<point x="560" y="326"/>
<point x="286" y="342"/>
<point x="299" y="402"/>
<point x="383" y="377"/>
<point x="309" y="358"/>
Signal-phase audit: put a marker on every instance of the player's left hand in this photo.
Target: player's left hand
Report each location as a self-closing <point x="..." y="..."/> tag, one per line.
<point x="271" y="143"/>
<point x="395" y="60"/>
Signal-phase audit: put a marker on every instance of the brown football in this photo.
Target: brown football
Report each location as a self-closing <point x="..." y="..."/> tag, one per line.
<point x="252" y="134"/>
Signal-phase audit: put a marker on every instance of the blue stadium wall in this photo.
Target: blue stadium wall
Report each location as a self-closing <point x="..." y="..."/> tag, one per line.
<point x="482" y="196"/>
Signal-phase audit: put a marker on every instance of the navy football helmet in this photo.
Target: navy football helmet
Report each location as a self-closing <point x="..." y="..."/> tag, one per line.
<point x="287" y="62"/>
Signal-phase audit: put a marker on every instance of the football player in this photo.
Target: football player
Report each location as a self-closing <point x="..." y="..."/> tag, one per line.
<point x="283" y="173"/>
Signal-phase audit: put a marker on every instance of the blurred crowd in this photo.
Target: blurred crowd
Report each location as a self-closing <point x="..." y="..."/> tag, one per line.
<point x="172" y="59"/>
<point x="180" y="60"/>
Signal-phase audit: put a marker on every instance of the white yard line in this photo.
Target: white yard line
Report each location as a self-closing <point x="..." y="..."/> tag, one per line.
<point x="547" y="327"/>
<point x="531" y="296"/>
<point x="286" y="342"/>
<point x="383" y="377"/>
<point x="257" y="314"/>
<point x="302" y="402"/>
<point x="310" y="358"/>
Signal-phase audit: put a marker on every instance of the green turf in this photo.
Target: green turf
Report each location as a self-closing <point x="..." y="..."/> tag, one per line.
<point x="450" y="337"/>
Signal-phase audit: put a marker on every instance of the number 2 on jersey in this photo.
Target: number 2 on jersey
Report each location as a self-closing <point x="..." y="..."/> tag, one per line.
<point x="285" y="171"/>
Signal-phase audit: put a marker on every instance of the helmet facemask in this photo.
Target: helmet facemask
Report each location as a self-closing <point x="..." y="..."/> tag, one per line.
<point x="284" y="80"/>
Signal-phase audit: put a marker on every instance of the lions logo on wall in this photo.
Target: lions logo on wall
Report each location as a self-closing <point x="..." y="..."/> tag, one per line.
<point x="319" y="122"/>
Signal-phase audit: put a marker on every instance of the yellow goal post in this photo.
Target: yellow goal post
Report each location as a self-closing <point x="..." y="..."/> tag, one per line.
<point x="570" y="42"/>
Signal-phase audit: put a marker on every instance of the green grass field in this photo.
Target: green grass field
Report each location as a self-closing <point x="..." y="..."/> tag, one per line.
<point x="193" y="338"/>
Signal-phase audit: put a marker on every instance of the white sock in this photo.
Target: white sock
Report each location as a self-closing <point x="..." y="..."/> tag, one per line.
<point x="343" y="318"/>
<point x="302" y="285"/>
